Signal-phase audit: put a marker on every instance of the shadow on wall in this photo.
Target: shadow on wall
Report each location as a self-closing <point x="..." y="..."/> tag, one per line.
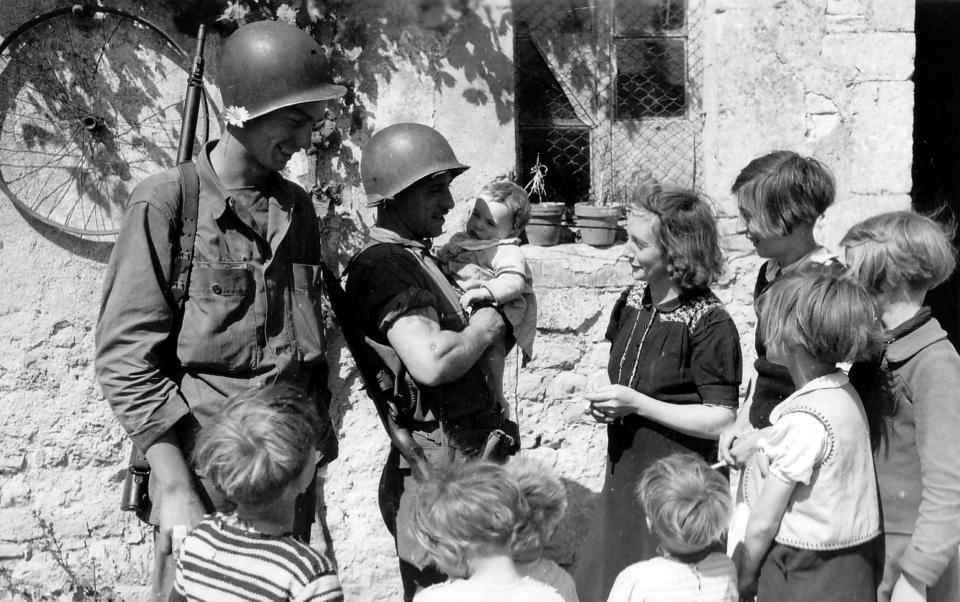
<point x="368" y="41"/>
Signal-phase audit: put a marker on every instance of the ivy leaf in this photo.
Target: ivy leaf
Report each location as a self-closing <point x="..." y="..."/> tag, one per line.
<point x="234" y="12"/>
<point x="287" y="14"/>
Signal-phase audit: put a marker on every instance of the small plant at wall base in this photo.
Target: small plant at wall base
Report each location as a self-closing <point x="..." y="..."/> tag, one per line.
<point x="545" y="216"/>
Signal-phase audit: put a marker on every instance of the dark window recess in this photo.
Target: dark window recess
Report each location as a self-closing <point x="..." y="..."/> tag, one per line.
<point x="540" y="99"/>
<point x="566" y="154"/>
<point x="650" y="78"/>
<point x="548" y="126"/>
<point x="646" y="17"/>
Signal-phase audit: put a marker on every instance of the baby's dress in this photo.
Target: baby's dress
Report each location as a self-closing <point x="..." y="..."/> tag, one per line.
<point x="468" y="260"/>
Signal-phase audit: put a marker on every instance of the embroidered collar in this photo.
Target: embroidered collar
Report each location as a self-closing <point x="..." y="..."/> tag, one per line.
<point x="640" y="297"/>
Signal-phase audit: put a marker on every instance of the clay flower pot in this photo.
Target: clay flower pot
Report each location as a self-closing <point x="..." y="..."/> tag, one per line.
<point x="543" y="229"/>
<point x="597" y="224"/>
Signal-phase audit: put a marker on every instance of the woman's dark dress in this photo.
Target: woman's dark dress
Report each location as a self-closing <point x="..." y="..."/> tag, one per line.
<point x="686" y="353"/>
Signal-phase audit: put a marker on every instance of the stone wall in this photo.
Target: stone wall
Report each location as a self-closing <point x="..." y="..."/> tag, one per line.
<point x="827" y="78"/>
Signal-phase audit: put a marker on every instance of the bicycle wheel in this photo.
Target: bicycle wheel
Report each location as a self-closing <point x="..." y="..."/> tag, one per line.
<point x="91" y="103"/>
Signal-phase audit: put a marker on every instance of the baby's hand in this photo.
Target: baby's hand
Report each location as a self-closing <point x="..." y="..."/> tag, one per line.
<point x="475" y="297"/>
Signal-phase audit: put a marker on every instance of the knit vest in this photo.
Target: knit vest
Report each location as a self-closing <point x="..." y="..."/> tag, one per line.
<point x="839" y="508"/>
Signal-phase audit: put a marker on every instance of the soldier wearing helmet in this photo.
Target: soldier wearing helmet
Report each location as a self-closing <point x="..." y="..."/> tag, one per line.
<point x="407" y="307"/>
<point x="251" y="313"/>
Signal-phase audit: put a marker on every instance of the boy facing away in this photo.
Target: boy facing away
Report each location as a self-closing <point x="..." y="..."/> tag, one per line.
<point x="688" y="506"/>
<point x="259" y="453"/>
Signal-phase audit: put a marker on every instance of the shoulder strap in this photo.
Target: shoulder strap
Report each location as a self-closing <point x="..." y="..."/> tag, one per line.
<point x="189" y="210"/>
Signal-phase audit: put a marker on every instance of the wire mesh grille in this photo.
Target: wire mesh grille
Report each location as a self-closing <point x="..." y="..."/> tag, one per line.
<point x="650" y="78"/>
<point x="644" y="17"/>
<point x="647" y="65"/>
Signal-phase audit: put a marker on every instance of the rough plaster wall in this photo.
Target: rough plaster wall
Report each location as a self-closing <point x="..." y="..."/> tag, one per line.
<point x="830" y="79"/>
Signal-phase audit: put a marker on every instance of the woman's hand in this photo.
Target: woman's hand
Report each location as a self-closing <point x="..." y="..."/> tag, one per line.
<point x="727" y="440"/>
<point x="614" y="401"/>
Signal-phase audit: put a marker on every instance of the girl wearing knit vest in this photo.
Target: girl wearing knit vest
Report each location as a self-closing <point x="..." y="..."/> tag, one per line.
<point x="911" y="387"/>
<point x="814" y="526"/>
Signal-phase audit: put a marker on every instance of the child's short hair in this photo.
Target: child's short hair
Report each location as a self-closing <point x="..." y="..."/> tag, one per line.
<point x="688" y="503"/>
<point x="546" y="499"/>
<point x="686" y="230"/>
<point x="466" y="509"/>
<point x="820" y="311"/>
<point x="511" y="195"/>
<point x="782" y="190"/>
<point x="258" y="443"/>
<point x="890" y="249"/>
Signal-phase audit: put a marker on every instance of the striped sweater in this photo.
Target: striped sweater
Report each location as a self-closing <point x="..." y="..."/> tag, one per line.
<point x="225" y="559"/>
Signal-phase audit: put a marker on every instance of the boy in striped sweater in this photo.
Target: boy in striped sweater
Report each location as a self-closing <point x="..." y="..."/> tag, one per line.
<point x="259" y="452"/>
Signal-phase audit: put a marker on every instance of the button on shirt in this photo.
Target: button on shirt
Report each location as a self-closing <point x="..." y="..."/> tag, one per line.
<point x="251" y="316"/>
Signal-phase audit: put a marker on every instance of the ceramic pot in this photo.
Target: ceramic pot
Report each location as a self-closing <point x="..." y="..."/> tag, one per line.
<point x="597" y="225"/>
<point x="543" y="229"/>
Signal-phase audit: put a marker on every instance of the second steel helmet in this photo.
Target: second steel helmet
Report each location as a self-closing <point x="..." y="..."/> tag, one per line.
<point x="269" y="65"/>
<point x="399" y="155"/>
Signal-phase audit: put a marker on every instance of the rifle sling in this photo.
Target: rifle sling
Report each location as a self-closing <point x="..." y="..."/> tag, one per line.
<point x="188" y="208"/>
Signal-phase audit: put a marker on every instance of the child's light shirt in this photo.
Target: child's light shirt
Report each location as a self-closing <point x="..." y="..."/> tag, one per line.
<point x="525" y="589"/>
<point x="547" y="571"/>
<point x="225" y="559"/>
<point x="819" y="440"/>
<point x="713" y="579"/>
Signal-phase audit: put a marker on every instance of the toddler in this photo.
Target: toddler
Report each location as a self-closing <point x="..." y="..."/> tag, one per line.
<point x="547" y="501"/>
<point x="687" y="505"/>
<point x="486" y="262"/>
<point x="259" y="452"/>
<point x="813" y="531"/>
<point x="468" y="518"/>
<point x="911" y="389"/>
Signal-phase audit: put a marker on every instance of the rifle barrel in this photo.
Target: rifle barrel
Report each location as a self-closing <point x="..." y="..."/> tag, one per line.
<point x="191" y="104"/>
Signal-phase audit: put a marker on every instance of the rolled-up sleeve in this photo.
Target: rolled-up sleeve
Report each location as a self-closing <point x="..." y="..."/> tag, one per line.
<point x="136" y="318"/>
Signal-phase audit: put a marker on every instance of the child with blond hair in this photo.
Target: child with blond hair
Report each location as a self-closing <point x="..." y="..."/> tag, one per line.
<point x="259" y="453"/>
<point x="911" y="389"/>
<point x="546" y="500"/>
<point x="468" y="517"/>
<point x="813" y="531"/>
<point x="688" y="506"/>
<point x="486" y="262"/>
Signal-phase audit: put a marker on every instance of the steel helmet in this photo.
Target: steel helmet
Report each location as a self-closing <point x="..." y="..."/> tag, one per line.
<point x="399" y="155"/>
<point x="269" y="65"/>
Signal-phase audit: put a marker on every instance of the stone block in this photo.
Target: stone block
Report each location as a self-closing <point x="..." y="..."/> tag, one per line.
<point x="550" y="354"/>
<point x="878" y="56"/>
<point x="9" y="551"/>
<point x="890" y="15"/>
<point x="565" y="384"/>
<point x="567" y="310"/>
<point x="530" y="386"/>
<point x="881" y="138"/>
<point x="19" y="524"/>
<point x="846" y="15"/>
<point x="577" y="265"/>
